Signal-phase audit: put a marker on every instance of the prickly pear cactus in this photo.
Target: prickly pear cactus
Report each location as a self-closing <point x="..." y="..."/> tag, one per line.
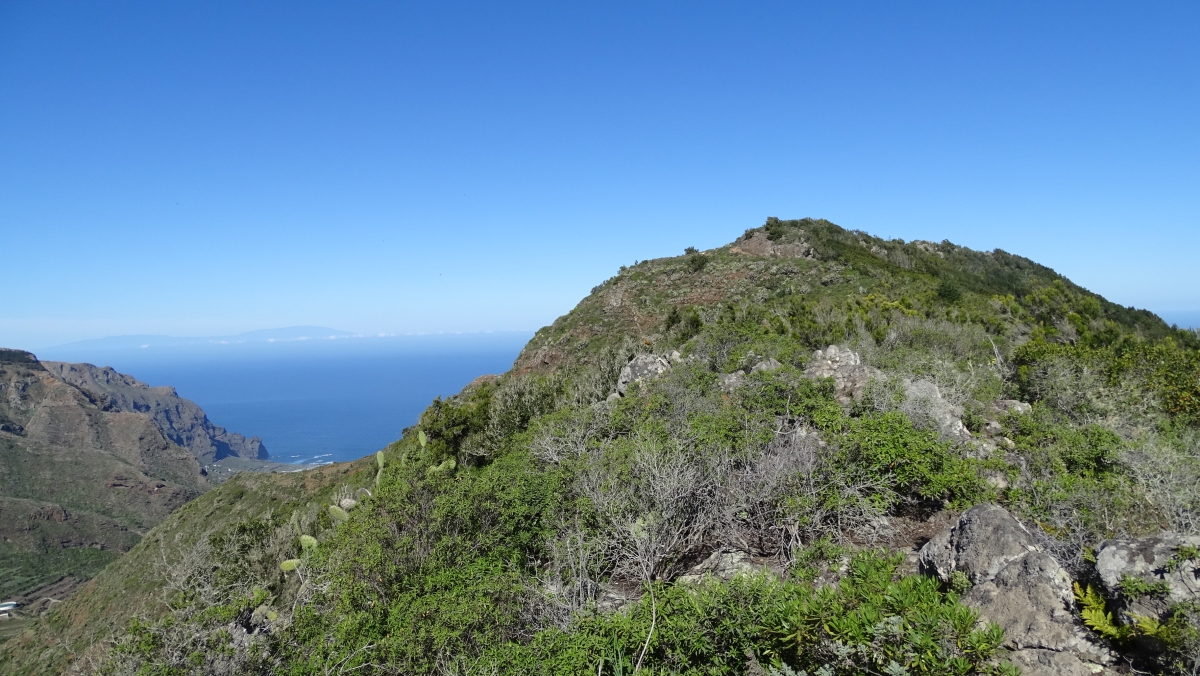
<point x="289" y="565"/>
<point x="446" y="467"/>
<point x="308" y="543"/>
<point x="338" y="514"/>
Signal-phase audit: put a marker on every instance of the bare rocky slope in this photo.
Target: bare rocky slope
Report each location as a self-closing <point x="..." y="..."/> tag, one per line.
<point x="180" y="420"/>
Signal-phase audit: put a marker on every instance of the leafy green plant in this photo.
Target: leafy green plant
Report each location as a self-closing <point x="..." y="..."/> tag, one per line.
<point x="1136" y="587"/>
<point x="872" y="620"/>
<point x="960" y="582"/>
<point x="888" y="445"/>
<point x="1169" y="643"/>
<point x="1095" y="614"/>
<point x="1183" y="554"/>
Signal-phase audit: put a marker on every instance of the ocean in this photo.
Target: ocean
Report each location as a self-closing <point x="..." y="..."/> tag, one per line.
<point x="315" y="403"/>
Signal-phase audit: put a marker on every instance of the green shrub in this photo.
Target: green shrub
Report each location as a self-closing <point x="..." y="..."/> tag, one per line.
<point x="871" y="620"/>
<point x="889" y="446"/>
<point x="430" y="567"/>
<point x="949" y="292"/>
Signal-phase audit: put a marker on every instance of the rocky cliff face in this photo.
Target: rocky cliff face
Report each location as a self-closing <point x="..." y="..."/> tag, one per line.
<point x="78" y="476"/>
<point x="179" y="419"/>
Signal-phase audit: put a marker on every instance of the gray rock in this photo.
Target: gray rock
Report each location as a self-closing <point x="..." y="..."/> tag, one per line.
<point x="1013" y="406"/>
<point x="1018" y="587"/>
<point x="1148" y="560"/>
<point x="1035" y="662"/>
<point x="996" y="479"/>
<point x="849" y="375"/>
<point x="769" y="364"/>
<point x="731" y="381"/>
<point x="758" y="244"/>
<point x="722" y="564"/>
<point x="985" y="539"/>
<point x="641" y="367"/>
<point x="1032" y="600"/>
<point x="924" y="403"/>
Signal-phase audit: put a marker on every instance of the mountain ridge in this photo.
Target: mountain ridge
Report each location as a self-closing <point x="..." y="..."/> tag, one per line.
<point x="90" y="460"/>
<point x="724" y="462"/>
<point x="181" y="420"/>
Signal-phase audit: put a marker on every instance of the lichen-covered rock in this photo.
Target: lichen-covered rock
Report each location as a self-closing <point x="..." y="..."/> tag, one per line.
<point x="1032" y="600"/>
<point x="1013" y="406"/>
<point x="1032" y="662"/>
<point x="731" y="381"/>
<point x="641" y="367"/>
<point x="720" y="564"/>
<point x="725" y="564"/>
<point x="768" y="364"/>
<point x="1018" y="587"/>
<point x="850" y="375"/>
<point x="985" y="539"/>
<point x="1164" y="566"/>
<point x="924" y="401"/>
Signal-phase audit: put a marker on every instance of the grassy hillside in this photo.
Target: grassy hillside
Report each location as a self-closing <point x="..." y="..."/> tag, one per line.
<point x="560" y="518"/>
<point x="141" y="583"/>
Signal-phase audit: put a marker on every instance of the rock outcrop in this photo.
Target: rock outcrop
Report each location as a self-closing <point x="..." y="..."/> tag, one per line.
<point x="1146" y="576"/>
<point x="1019" y="587"/>
<point x="179" y="419"/>
<point x="725" y="564"/>
<point x="641" y="367"/>
<point x="850" y="375"/>
<point x="757" y="243"/>
<point x="923" y="401"/>
<point x="925" y="405"/>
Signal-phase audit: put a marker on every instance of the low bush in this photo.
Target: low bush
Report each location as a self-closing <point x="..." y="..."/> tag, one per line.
<point x="873" y="621"/>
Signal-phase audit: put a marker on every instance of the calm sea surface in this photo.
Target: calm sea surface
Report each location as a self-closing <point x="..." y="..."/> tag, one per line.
<point x="318" y="403"/>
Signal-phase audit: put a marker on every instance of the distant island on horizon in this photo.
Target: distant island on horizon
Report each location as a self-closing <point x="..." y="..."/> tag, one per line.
<point x="260" y="336"/>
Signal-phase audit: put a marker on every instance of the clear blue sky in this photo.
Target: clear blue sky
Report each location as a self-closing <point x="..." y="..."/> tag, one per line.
<point x="197" y="168"/>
